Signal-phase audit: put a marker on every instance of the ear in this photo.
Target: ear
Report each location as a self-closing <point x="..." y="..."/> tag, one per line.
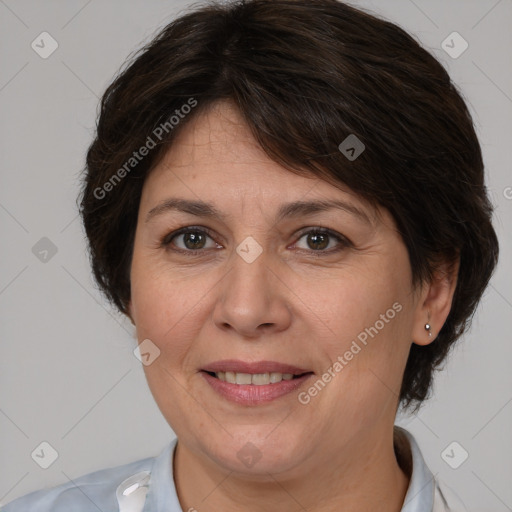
<point x="435" y="302"/>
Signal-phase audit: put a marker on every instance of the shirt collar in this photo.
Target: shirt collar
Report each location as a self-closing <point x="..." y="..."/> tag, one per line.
<point x="420" y="494"/>
<point x="162" y="495"/>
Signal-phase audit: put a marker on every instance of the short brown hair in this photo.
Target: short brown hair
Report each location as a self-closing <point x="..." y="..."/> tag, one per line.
<point x="305" y="74"/>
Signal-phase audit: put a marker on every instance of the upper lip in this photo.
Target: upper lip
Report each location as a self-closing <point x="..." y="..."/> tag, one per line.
<point x="237" y="366"/>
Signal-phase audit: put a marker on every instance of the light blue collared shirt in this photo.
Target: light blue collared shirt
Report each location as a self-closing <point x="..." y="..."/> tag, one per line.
<point x="97" y="491"/>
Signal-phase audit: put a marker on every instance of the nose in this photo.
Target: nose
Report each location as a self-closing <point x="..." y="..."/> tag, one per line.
<point x="253" y="299"/>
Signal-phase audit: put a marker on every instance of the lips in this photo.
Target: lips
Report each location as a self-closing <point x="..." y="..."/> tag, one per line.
<point x="254" y="383"/>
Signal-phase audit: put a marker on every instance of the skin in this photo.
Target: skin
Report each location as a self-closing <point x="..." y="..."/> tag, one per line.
<point x="294" y="304"/>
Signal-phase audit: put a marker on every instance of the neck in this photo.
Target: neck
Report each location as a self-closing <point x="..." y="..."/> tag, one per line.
<point x="364" y="477"/>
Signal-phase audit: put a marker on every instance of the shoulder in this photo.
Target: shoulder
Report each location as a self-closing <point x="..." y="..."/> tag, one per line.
<point x="93" y="491"/>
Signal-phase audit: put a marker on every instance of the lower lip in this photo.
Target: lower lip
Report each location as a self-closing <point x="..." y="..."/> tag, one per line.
<point x="251" y="394"/>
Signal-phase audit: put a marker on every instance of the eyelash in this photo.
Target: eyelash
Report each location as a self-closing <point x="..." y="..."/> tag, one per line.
<point x="167" y="239"/>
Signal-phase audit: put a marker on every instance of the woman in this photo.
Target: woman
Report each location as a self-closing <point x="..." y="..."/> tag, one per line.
<point x="287" y="200"/>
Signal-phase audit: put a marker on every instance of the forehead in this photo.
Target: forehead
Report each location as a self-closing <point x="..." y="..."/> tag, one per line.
<point x="215" y="157"/>
<point x="217" y="136"/>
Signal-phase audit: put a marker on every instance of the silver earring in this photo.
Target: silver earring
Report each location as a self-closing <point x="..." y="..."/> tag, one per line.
<point x="428" y="328"/>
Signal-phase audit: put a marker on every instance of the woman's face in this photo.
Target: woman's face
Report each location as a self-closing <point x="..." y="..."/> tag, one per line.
<point x="249" y="280"/>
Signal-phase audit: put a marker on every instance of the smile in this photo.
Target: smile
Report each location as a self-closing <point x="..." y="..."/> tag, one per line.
<point x="253" y="383"/>
<point x="258" y="379"/>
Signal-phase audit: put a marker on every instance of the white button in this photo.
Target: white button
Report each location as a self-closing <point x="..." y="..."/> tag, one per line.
<point x="131" y="492"/>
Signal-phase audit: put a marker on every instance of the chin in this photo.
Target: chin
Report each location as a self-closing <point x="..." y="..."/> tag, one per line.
<point x="258" y="451"/>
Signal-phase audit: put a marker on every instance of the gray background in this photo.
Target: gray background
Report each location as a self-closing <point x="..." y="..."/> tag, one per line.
<point x="68" y="375"/>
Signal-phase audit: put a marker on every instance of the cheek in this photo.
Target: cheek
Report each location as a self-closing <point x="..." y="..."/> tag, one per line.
<point x="164" y="308"/>
<point x="354" y="302"/>
<point x="367" y="321"/>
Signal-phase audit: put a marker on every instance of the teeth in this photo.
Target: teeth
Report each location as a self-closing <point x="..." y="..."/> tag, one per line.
<point x="258" y="379"/>
<point x="243" y="378"/>
<point x="275" y="377"/>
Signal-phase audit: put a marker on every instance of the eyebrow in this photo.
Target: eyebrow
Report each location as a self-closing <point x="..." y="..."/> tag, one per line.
<point x="287" y="210"/>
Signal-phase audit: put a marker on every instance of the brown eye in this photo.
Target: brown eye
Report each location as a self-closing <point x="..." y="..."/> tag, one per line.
<point x="318" y="240"/>
<point x="188" y="240"/>
<point x="193" y="240"/>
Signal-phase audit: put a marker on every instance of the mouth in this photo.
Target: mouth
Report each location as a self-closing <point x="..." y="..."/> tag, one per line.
<point x="253" y="383"/>
<point x="256" y="379"/>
